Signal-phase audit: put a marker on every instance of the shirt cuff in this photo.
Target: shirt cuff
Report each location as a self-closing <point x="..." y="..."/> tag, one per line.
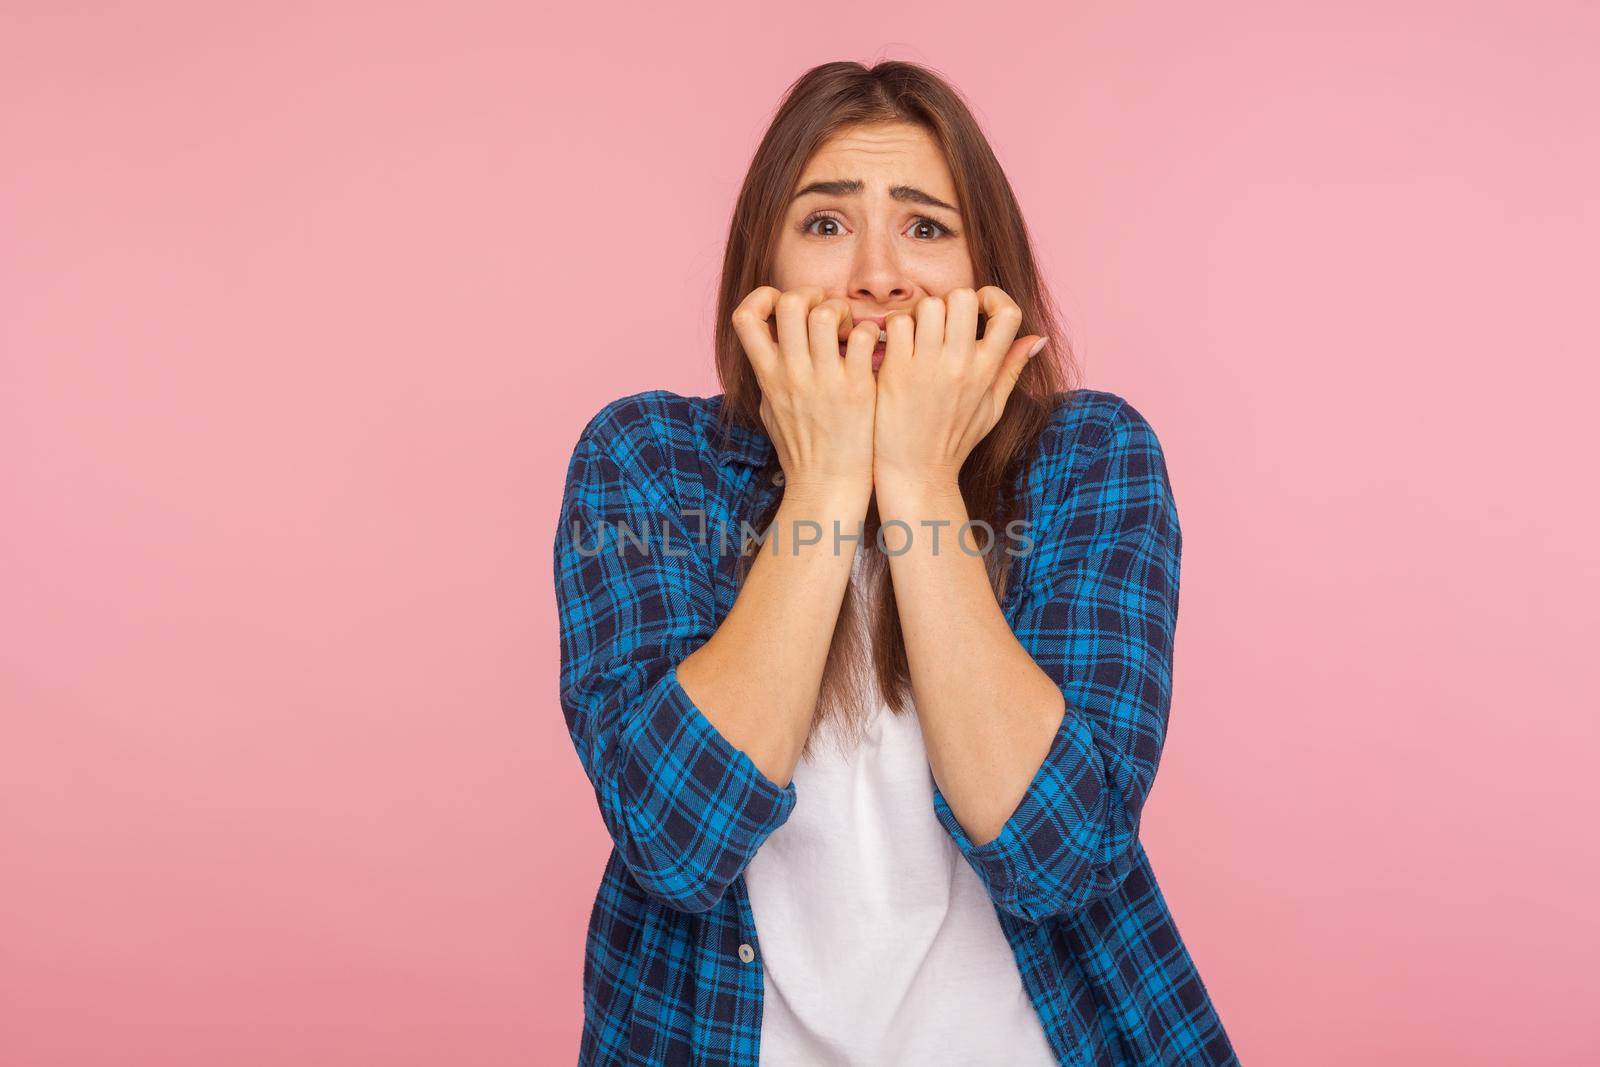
<point x="1038" y="864"/>
<point x="697" y="807"/>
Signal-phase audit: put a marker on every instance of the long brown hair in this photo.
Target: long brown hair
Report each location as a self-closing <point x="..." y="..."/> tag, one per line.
<point x="820" y="104"/>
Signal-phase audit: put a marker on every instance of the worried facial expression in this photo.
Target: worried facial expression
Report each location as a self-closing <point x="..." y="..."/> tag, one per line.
<point x="874" y="221"/>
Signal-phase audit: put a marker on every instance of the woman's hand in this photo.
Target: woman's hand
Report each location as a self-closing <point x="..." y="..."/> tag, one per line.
<point x="941" y="389"/>
<point x="817" y="406"/>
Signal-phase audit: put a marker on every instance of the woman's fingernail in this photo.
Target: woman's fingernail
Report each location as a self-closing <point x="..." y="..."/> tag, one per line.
<point x="1034" y="351"/>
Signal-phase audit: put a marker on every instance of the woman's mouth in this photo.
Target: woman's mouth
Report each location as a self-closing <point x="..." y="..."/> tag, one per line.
<point x="877" y="349"/>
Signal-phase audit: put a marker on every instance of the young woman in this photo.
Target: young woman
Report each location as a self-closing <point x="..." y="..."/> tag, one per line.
<point x="874" y="779"/>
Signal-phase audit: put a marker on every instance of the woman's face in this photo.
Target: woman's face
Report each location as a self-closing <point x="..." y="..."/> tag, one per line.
<point x="874" y="222"/>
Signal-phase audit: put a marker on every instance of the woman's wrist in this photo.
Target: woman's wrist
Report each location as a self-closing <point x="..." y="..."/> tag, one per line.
<point x="827" y="516"/>
<point x="829" y="493"/>
<point x="911" y="496"/>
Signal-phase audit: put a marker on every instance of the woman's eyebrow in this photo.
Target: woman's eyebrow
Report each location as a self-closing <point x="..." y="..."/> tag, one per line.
<point x="850" y="186"/>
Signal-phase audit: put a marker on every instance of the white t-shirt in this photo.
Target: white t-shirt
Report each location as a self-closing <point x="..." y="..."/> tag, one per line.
<point x="878" y="943"/>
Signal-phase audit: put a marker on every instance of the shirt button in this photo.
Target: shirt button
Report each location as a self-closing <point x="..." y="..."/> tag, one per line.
<point x="777" y="477"/>
<point x="746" y="953"/>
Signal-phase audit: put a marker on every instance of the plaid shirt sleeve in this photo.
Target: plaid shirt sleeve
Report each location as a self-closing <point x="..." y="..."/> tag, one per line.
<point x="685" y="808"/>
<point x="1097" y="611"/>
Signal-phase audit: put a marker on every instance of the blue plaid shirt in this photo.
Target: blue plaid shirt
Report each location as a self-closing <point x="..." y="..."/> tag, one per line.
<point x="672" y="972"/>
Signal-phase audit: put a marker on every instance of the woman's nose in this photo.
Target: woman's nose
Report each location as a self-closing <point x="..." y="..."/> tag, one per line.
<point x="877" y="270"/>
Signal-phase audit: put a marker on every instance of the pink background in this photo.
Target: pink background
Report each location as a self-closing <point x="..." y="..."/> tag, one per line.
<point x="302" y="307"/>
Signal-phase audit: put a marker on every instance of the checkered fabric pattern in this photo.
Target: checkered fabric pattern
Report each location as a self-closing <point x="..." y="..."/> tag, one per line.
<point x="643" y="576"/>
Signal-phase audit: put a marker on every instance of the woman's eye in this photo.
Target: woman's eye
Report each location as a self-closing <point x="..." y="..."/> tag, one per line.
<point x="810" y="224"/>
<point x="923" y="228"/>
